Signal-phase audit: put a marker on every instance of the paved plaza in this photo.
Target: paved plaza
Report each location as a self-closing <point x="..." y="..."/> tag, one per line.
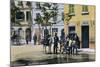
<point x="34" y="55"/>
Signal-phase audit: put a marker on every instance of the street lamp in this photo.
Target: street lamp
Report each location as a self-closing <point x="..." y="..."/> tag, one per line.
<point x="67" y="17"/>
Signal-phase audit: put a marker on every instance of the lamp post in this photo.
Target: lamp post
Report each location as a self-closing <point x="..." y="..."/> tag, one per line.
<point x="67" y="18"/>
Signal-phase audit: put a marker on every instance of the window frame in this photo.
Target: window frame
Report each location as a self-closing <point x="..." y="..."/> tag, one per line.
<point x="71" y="9"/>
<point x="20" y="3"/>
<point x="22" y="19"/>
<point x="85" y="10"/>
<point x="38" y="5"/>
<point x="28" y="15"/>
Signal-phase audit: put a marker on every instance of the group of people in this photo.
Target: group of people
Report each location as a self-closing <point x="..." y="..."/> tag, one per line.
<point x="68" y="44"/>
<point x="72" y="43"/>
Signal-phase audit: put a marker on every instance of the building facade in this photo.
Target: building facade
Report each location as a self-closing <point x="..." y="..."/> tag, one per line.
<point x="23" y="16"/>
<point x="82" y="22"/>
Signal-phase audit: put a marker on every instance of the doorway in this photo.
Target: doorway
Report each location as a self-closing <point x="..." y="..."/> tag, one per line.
<point x="71" y="29"/>
<point x="28" y="34"/>
<point x="85" y="36"/>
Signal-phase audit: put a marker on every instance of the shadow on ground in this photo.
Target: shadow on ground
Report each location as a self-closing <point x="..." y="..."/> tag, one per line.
<point x="57" y="59"/>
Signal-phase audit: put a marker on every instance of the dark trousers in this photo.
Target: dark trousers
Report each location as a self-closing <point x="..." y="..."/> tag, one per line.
<point x="70" y="50"/>
<point x="75" y="47"/>
<point x="26" y="41"/>
<point x="55" y="48"/>
<point x="49" y="48"/>
<point x="34" y="42"/>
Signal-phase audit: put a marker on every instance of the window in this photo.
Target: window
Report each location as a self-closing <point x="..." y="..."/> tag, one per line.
<point x="20" y="16"/>
<point x="55" y="30"/>
<point x="38" y="5"/>
<point x="85" y="10"/>
<point x="71" y="9"/>
<point x="71" y="29"/>
<point x="20" y="3"/>
<point x="28" y="16"/>
<point x="28" y="3"/>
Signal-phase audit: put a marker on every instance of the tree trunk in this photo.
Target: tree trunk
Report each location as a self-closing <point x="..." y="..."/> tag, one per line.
<point x="39" y="37"/>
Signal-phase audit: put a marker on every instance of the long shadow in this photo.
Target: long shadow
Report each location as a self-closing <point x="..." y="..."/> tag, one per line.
<point x="57" y="59"/>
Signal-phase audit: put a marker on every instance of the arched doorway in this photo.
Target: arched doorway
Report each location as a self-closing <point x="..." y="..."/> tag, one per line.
<point x="28" y="34"/>
<point x="20" y="34"/>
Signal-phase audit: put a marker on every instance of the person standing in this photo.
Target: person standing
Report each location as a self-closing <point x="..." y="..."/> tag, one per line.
<point x="70" y="45"/>
<point x="62" y="43"/>
<point x="35" y="39"/>
<point x="56" y="40"/>
<point x="77" y="41"/>
<point x="26" y="39"/>
<point x="50" y="43"/>
<point x="74" y="46"/>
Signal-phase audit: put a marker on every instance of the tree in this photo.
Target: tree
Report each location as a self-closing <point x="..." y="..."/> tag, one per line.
<point x="48" y="13"/>
<point x="39" y="21"/>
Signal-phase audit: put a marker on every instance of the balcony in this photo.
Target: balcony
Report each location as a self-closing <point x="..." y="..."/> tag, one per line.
<point x="85" y="12"/>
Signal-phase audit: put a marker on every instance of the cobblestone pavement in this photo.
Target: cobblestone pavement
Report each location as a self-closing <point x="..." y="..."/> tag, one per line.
<point x="34" y="55"/>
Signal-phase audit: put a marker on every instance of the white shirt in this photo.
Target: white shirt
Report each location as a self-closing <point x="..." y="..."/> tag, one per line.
<point x="70" y="42"/>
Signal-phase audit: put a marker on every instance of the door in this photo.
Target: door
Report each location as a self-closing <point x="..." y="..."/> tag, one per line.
<point x="71" y="29"/>
<point x="28" y="34"/>
<point x="85" y="36"/>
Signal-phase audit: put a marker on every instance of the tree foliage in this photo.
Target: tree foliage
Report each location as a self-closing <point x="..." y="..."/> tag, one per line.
<point x="48" y="13"/>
